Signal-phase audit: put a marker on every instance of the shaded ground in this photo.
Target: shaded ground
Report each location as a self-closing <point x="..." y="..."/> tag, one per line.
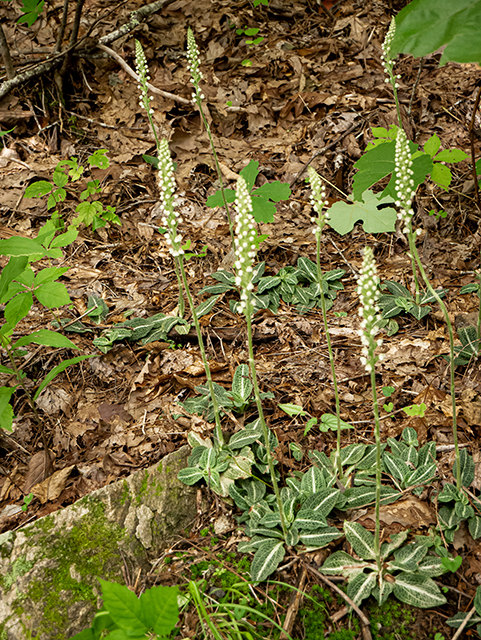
<point x="312" y="91"/>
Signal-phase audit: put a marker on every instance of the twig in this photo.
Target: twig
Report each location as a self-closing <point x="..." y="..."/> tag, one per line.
<point x="5" y="53"/>
<point x="294" y="606"/>
<point x="165" y="94"/>
<point x="327" y="12"/>
<point x="365" y="624"/>
<point x="471" y="140"/>
<point x="463" y="624"/>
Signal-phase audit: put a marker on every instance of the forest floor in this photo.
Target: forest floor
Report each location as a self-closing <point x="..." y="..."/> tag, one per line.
<point x="308" y="93"/>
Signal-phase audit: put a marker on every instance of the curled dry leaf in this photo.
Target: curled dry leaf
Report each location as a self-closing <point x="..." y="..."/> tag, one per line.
<point x="39" y="468"/>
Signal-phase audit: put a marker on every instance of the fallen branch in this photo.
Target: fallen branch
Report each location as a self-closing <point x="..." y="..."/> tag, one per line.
<point x="165" y="94"/>
<point x="40" y="69"/>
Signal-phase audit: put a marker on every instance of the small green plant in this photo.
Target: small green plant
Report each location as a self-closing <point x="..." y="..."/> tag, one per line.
<point x="327" y="422"/>
<point x="400" y="300"/>
<point x="263" y="198"/>
<point x="236" y="400"/>
<point x="89" y="211"/>
<point x="474" y="616"/>
<point x="26" y="501"/>
<point x="20" y="285"/>
<point x="124" y="615"/>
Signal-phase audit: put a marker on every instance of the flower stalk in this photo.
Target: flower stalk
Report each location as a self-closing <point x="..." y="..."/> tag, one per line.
<point x="319" y="202"/>
<point x="367" y="288"/>
<point x="193" y="58"/>
<point x="171" y="220"/>
<point x="245" y="247"/>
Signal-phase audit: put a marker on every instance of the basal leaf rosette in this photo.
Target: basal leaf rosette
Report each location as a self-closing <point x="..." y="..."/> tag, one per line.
<point x="245" y="243"/>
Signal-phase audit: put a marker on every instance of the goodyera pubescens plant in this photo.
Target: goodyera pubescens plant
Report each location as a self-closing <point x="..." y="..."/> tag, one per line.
<point x="145" y="100"/>
<point x="388" y="65"/>
<point x="368" y="290"/>
<point x="319" y="204"/>
<point x="245" y="247"/>
<point x="405" y="194"/>
<point x="193" y="62"/>
<point x="171" y="219"/>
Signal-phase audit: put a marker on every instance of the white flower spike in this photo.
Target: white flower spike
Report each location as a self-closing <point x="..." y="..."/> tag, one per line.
<point x="245" y="242"/>
<point x="171" y="218"/>
<point x="404" y="180"/>
<point x="143" y="73"/>
<point x="367" y="288"/>
<point x="193" y="58"/>
<point x="318" y="201"/>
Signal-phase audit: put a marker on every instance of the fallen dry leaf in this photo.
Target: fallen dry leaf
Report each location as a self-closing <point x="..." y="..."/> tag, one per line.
<point x="52" y="487"/>
<point x="40" y="467"/>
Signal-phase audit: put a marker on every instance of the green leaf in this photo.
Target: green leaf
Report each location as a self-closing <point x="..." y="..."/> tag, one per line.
<point x="17" y="246"/>
<point x="52" y="295"/>
<point x="431" y="566"/>
<point x="190" y="475"/>
<point x="292" y="409"/>
<point x="217" y="200"/>
<point x="123" y="605"/>
<point x="206" y="306"/>
<point x="14" y="268"/>
<point x="38" y="189"/>
<point x="329" y="422"/>
<point x="46" y="338"/>
<point x="474" y="524"/>
<point x="275" y="191"/>
<point x="441" y="175"/>
<point x="18" y="308"/>
<point x="352" y="453"/>
<point x="418" y="591"/>
<point x="6" y="411"/>
<point x="432" y="145"/>
<point x="361" y="587"/>
<point x="250" y="173"/>
<point x="58" y="369"/>
<point x="313" y="481"/>
<point x="396" y="467"/>
<point x="360" y="539"/>
<point x="50" y="274"/>
<point x="451" y="155"/>
<point x="323" y="501"/>
<point x="467" y="468"/>
<point x="426" y="25"/>
<point x="341" y="563"/>
<point x="343" y="216"/>
<point x="267" y="559"/>
<point x="159" y="609"/>
<point x="320" y="538"/>
<point x="241" y="383"/>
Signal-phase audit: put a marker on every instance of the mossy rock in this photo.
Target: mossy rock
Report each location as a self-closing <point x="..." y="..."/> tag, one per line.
<point x="49" y="569"/>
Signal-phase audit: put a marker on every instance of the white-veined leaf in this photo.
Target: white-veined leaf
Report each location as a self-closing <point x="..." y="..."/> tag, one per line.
<point x="320" y="538"/>
<point x="206" y="306"/>
<point x="457" y="620"/>
<point x="396" y="541"/>
<point x="323" y="501"/>
<point x="421" y="475"/>
<point x="431" y="566"/>
<point x="396" y="466"/>
<point x="190" y="475"/>
<point x="382" y="592"/>
<point x="341" y="563"/>
<point x="310" y="520"/>
<point x="292" y="537"/>
<point x="313" y="481"/>
<point x="427" y="454"/>
<point x="474" y="525"/>
<point x="410" y="556"/>
<point x="352" y="453"/>
<point x="360" y="539"/>
<point x="361" y="587"/>
<point x="418" y="591"/>
<point x="241" y="384"/>
<point x="267" y="559"/>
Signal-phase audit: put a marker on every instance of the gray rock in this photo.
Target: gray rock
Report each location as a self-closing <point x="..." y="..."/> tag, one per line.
<point x="49" y="569"/>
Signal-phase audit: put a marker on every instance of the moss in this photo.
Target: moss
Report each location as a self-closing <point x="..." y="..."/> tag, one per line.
<point x="125" y="493"/>
<point x="19" y="568"/>
<point x="391" y="620"/>
<point x="87" y="547"/>
<point x="143" y="488"/>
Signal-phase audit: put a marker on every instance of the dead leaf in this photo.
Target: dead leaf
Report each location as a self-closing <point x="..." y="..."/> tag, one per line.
<point x="410" y="512"/>
<point x="52" y="487"/>
<point x="40" y="467"/>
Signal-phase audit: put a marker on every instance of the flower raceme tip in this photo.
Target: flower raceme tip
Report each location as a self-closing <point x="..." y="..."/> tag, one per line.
<point x="245" y="242"/>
